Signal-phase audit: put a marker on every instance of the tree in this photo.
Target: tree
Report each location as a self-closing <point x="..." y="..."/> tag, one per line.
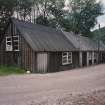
<point x="58" y="15"/>
<point x="83" y="15"/>
<point x="50" y="11"/>
<point x="42" y="20"/>
<point x="6" y="11"/>
<point x="99" y="34"/>
<point x="23" y="9"/>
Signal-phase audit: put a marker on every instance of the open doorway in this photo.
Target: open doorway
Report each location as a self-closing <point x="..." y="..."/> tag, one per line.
<point x="84" y="59"/>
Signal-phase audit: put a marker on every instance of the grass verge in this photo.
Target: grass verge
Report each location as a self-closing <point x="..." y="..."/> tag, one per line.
<point x="9" y="70"/>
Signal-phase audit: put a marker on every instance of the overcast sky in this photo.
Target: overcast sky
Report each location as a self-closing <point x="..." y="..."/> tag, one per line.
<point x="101" y="19"/>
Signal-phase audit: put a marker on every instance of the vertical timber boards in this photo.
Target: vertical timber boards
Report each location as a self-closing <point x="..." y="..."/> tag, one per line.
<point x="28" y="58"/>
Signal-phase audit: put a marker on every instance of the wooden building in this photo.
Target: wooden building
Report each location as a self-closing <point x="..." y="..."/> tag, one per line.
<point x="90" y="52"/>
<point x="43" y="49"/>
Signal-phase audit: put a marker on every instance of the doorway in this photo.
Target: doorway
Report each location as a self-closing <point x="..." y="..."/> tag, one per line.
<point x="84" y="59"/>
<point x="42" y="62"/>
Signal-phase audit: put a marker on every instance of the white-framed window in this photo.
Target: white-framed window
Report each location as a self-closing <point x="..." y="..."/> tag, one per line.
<point x="16" y="43"/>
<point x="66" y="58"/>
<point x="12" y="43"/>
<point x="9" y="43"/>
<point x="90" y="55"/>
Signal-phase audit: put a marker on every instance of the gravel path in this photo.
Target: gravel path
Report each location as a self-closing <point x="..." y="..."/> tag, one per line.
<point x="76" y="87"/>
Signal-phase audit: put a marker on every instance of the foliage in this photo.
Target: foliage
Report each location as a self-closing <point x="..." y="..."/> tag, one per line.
<point x="80" y="17"/>
<point x="99" y="34"/>
<point x="51" y="11"/>
<point x="6" y="11"/>
<point x="58" y="16"/>
<point x="83" y="15"/>
<point x="42" y="20"/>
<point x="23" y="8"/>
<point x="9" y="70"/>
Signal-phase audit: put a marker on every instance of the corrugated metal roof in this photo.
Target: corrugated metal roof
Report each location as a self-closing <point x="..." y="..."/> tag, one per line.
<point x="83" y="43"/>
<point x="42" y="38"/>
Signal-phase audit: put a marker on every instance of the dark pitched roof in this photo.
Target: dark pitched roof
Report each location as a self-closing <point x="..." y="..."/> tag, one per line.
<point x="42" y="38"/>
<point x="83" y="43"/>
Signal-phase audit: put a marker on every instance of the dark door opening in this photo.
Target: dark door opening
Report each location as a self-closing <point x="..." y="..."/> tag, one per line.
<point x="84" y="58"/>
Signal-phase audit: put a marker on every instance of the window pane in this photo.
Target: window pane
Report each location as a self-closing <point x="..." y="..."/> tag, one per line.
<point x="15" y="38"/>
<point x="64" y="61"/>
<point x="69" y="57"/>
<point x="8" y="39"/>
<point x="66" y="58"/>
<point x="69" y="53"/>
<point x="9" y="43"/>
<point x="65" y="54"/>
<point x="16" y="48"/>
<point x="15" y="43"/>
<point x="70" y="60"/>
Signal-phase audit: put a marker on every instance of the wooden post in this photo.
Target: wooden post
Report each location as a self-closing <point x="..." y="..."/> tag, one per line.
<point x="99" y="46"/>
<point x="92" y="58"/>
<point x="80" y="59"/>
<point x="87" y="58"/>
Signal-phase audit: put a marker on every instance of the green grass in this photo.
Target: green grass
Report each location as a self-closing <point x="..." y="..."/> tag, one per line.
<point x="9" y="70"/>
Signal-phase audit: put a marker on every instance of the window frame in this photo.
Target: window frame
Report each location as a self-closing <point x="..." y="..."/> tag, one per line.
<point x="12" y="41"/>
<point x="16" y="41"/>
<point x="65" y="58"/>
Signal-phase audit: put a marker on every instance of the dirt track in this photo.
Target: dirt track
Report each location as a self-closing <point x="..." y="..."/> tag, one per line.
<point x="49" y="89"/>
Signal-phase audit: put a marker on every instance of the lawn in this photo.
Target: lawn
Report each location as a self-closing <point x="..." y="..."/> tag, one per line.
<point x="9" y="70"/>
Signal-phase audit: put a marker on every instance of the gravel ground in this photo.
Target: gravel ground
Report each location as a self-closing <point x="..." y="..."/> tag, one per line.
<point x="93" y="98"/>
<point x="75" y="87"/>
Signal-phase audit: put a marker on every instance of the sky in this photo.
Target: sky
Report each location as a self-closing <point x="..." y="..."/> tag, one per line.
<point x="101" y="19"/>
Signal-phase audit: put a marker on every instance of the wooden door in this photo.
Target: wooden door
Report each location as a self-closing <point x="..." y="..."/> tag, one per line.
<point x="42" y="62"/>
